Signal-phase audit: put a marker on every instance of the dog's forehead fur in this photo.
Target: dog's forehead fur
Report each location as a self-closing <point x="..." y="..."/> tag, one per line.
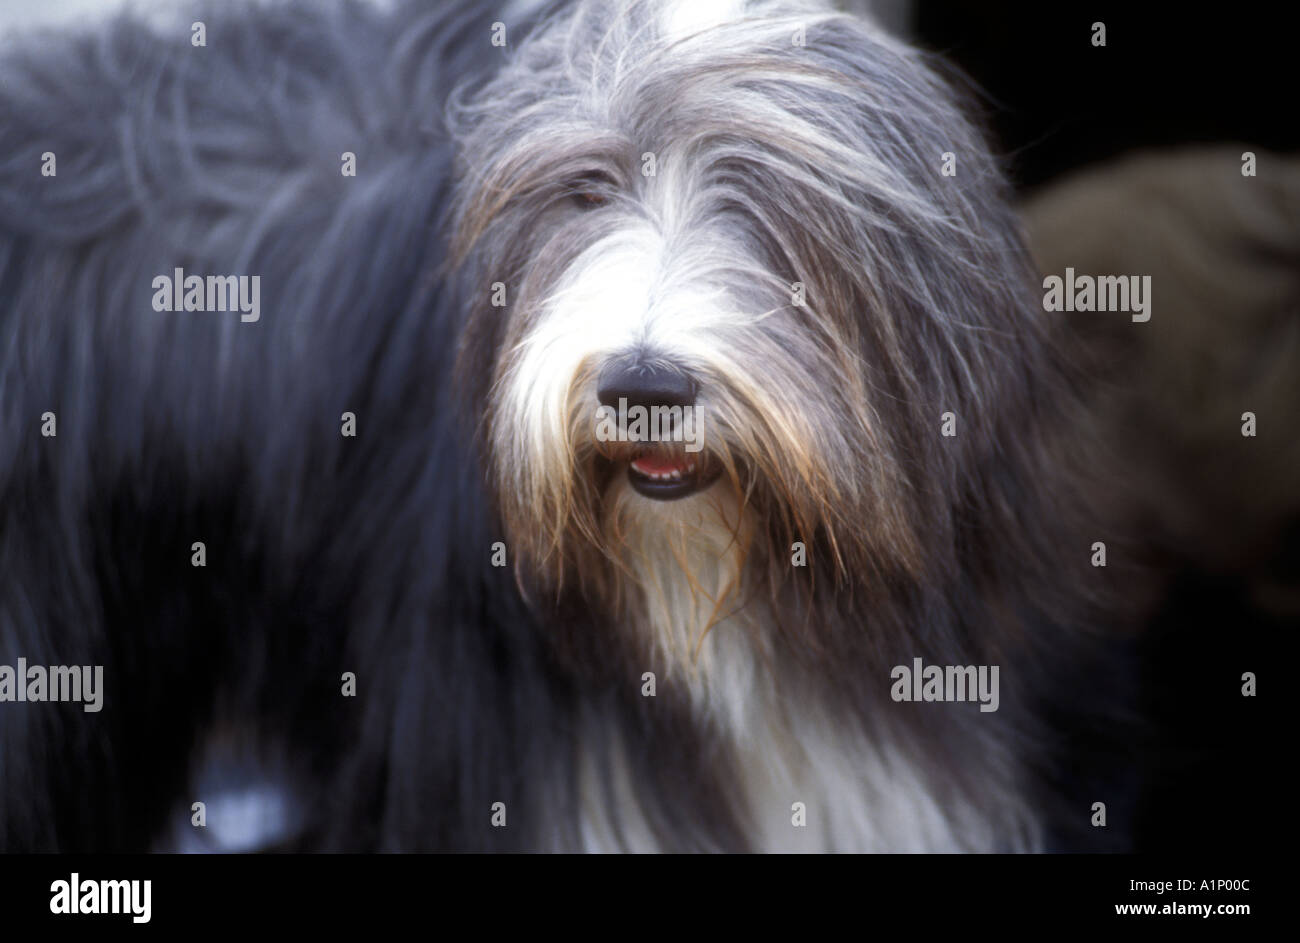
<point x="798" y="150"/>
<point x="600" y="88"/>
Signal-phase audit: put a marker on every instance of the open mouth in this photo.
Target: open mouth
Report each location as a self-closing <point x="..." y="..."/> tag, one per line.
<point x="666" y="477"/>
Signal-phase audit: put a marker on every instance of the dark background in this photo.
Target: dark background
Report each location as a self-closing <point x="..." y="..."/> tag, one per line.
<point x="1168" y="76"/>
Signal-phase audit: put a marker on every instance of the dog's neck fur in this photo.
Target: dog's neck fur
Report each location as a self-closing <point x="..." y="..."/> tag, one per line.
<point x="705" y="630"/>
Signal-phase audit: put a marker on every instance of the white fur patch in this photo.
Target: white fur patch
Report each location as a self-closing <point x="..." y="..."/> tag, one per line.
<point x="684" y="17"/>
<point x="249" y="802"/>
<point x="687" y="556"/>
<point x="854" y="795"/>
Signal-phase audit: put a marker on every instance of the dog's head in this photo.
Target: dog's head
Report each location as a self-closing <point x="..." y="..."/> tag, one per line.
<point x="774" y="225"/>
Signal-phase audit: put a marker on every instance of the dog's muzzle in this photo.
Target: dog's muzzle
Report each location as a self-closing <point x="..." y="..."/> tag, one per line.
<point x="664" y="468"/>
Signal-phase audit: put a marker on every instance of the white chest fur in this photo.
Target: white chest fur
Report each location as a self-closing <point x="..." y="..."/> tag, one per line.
<point x="804" y="779"/>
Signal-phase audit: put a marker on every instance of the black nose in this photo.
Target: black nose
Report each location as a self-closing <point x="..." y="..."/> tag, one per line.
<point x="644" y="384"/>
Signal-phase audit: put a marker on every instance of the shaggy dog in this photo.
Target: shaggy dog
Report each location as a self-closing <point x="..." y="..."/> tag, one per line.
<point x="739" y="208"/>
<point x="431" y="601"/>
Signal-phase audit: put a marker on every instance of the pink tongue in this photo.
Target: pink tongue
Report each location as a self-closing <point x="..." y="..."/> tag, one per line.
<point x="654" y="465"/>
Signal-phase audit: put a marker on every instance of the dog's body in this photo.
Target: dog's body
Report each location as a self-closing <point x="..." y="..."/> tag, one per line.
<point x="325" y="554"/>
<point x="772" y="723"/>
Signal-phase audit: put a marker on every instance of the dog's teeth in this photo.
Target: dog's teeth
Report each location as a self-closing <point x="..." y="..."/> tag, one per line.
<point x="672" y="474"/>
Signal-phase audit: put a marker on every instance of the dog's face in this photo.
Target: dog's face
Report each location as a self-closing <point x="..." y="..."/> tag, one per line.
<point x="746" y="223"/>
